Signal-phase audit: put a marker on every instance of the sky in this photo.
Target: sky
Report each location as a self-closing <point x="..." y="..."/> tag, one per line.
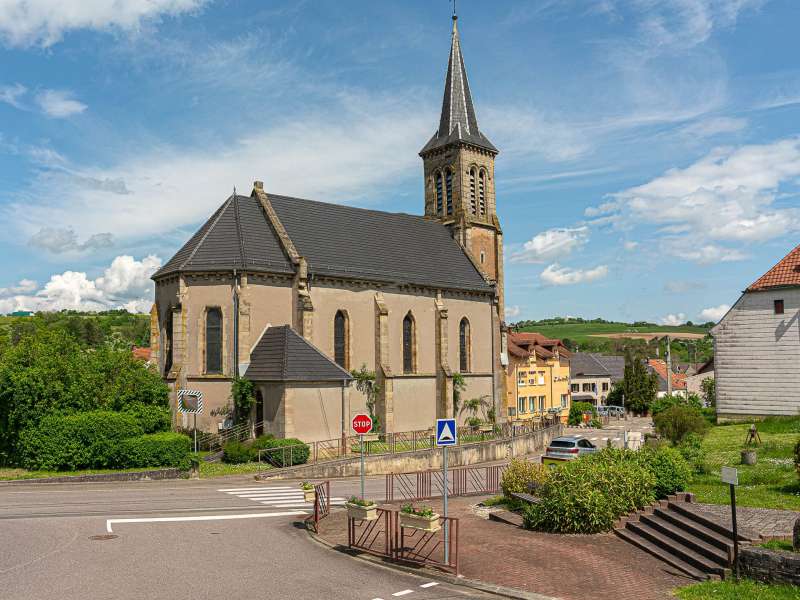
<point x="649" y="164"/>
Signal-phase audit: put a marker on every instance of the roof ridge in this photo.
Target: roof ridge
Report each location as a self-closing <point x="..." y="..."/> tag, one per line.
<point x="205" y="235"/>
<point x="774" y="270"/>
<point x="285" y="362"/>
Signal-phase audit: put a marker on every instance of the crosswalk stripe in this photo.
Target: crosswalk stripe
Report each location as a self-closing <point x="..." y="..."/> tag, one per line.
<point x="261" y="488"/>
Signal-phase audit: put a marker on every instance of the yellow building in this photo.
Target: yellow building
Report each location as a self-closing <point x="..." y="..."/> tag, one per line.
<point x="538" y="377"/>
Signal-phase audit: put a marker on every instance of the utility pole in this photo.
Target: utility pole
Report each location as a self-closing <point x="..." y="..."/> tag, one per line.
<point x="669" y="367"/>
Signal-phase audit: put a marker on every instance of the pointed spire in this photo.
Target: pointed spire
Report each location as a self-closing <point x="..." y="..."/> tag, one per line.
<point x="458" y="121"/>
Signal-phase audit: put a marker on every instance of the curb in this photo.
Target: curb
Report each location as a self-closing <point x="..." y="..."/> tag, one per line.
<point x="127" y="476"/>
<point x="497" y="590"/>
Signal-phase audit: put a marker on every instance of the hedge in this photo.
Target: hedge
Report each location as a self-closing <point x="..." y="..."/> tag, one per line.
<point x="576" y="412"/>
<point x="235" y="452"/>
<point x="78" y="441"/>
<point x="152" y="418"/>
<point x="298" y="455"/>
<point x="521" y="476"/>
<point x="670" y="469"/>
<point x="165" y="449"/>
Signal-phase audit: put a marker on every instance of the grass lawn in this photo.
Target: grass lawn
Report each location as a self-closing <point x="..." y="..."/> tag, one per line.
<point x="11" y="473"/>
<point x="727" y="590"/>
<point x="778" y="545"/>
<point x="220" y="469"/>
<point x="586" y="332"/>
<point x="771" y="483"/>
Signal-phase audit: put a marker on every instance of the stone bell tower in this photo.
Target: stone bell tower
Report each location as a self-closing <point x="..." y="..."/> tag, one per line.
<point x="459" y="174"/>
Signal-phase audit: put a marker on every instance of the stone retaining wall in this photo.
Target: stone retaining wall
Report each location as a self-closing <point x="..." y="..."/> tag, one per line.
<point x="423" y="460"/>
<point x="771" y="566"/>
<point x="101" y="477"/>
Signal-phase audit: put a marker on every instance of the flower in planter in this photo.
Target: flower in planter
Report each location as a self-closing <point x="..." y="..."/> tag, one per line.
<point x="355" y="500"/>
<point x="306" y="486"/>
<point x="422" y="511"/>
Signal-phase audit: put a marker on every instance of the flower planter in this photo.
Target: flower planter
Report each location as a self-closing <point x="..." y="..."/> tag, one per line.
<point x="430" y="524"/>
<point x="749" y="457"/>
<point x="309" y="495"/>
<point x="362" y="513"/>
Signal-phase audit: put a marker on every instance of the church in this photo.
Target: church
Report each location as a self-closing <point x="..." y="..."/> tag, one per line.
<point x="296" y="294"/>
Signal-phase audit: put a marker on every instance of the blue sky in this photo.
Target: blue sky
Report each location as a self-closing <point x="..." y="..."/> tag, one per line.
<point x="650" y="149"/>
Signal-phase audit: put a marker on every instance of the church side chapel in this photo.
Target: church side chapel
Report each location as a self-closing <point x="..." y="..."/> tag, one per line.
<point x="296" y="294"/>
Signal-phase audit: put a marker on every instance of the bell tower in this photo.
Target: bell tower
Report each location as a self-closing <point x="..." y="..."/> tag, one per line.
<point x="458" y="163"/>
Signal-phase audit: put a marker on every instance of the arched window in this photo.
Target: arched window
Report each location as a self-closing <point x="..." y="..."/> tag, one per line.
<point x="463" y="346"/>
<point x="482" y="193"/>
<point x="448" y="181"/>
<point x="214" y="340"/>
<point x="472" y="197"/>
<point x="439" y="195"/>
<point x="409" y="344"/>
<point x="341" y="344"/>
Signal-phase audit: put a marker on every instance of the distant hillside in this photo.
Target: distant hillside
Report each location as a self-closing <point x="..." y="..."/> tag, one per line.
<point x="89" y="328"/>
<point x="690" y="343"/>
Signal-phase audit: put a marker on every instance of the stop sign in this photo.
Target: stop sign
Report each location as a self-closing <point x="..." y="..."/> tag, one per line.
<point x="362" y="424"/>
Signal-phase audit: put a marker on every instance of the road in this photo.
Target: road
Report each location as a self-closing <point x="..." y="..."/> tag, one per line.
<point x="231" y="538"/>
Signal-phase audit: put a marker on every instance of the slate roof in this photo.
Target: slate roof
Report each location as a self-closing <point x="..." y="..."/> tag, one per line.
<point x="785" y="273"/>
<point x="335" y="240"/>
<point x="238" y="235"/>
<point x="282" y="354"/>
<point x="458" y="122"/>
<point x="592" y="364"/>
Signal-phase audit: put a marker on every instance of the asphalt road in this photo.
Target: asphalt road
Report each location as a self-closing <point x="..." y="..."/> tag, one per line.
<point x="227" y="538"/>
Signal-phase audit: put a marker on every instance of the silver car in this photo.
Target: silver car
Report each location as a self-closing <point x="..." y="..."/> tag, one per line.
<point x="568" y="447"/>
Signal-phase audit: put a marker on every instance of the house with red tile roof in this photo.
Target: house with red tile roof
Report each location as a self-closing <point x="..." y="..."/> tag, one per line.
<point x="757" y="347"/>
<point x="659" y="367"/>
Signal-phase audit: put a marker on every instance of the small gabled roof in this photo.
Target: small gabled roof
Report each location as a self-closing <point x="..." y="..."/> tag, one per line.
<point x="586" y="364"/>
<point x="785" y="273"/>
<point x="282" y="354"/>
<point x="659" y="367"/>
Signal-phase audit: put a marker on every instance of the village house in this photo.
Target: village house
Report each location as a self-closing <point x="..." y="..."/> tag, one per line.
<point x="538" y="377"/>
<point x="660" y="368"/>
<point x="757" y="347"/>
<point x="592" y="375"/>
<point x="295" y="294"/>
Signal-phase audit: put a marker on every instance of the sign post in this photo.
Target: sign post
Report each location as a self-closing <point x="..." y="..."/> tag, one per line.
<point x="446" y="435"/>
<point x="191" y="402"/>
<point x="731" y="477"/>
<point x="362" y="424"/>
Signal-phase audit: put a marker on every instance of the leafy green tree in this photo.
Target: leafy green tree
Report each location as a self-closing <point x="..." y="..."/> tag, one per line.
<point x="709" y="387"/>
<point x="243" y="394"/>
<point x="366" y="384"/>
<point x="639" y="386"/>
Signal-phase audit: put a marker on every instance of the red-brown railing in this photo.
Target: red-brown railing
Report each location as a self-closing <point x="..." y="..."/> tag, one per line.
<point x="461" y="481"/>
<point x="322" y="504"/>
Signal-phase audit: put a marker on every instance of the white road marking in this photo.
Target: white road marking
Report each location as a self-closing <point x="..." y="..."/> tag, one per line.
<point x="263" y="488"/>
<point x="203" y="518"/>
<point x="403" y="593"/>
<point x="431" y="584"/>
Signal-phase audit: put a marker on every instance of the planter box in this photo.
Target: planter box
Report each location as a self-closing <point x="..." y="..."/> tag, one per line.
<point x="308" y="495"/>
<point x="362" y="513"/>
<point x="430" y="524"/>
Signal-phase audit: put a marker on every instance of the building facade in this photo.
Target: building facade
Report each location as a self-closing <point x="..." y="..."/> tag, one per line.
<point x="757" y="347"/>
<point x="592" y="376"/>
<point x="538" y="377"/>
<point x="411" y="299"/>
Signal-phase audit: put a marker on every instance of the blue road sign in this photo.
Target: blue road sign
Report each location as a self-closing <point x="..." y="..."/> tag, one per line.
<point x="446" y="432"/>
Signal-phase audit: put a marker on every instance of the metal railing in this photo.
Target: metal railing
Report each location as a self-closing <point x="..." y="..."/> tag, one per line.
<point x="387" y="538"/>
<point x="462" y="481"/>
<point x="322" y="504"/>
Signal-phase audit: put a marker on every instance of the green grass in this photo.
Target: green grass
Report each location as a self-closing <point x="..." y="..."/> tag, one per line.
<point x="220" y="469"/>
<point x="744" y="590"/>
<point x="10" y="474"/>
<point x="778" y="545"/>
<point x="771" y="483"/>
<point x="586" y="332"/>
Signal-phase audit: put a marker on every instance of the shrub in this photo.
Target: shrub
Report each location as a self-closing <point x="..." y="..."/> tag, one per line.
<point x="589" y="494"/>
<point x="152" y="418"/>
<point x="297" y="455"/>
<point x="670" y="469"/>
<point x="691" y="448"/>
<point x="676" y="422"/>
<point x="797" y="458"/>
<point x="235" y="452"/>
<point x="521" y="475"/>
<point x="576" y="412"/>
<point x="79" y="441"/>
<point x="263" y="441"/>
<point x="665" y="402"/>
<point x="165" y="449"/>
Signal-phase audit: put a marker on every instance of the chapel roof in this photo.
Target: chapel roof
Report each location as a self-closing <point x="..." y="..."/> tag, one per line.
<point x="785" y="273"/>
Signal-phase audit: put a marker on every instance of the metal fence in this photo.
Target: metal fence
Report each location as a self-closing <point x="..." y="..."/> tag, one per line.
<point x="387" y="538"/>
<point x="461" y="481"/>
<point x="322" y="504"/>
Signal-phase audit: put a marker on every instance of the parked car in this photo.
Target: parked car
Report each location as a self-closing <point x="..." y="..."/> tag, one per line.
<point x="602" y="411"/>
<point x="568" y="447"/>
<point x="616" y="411"/>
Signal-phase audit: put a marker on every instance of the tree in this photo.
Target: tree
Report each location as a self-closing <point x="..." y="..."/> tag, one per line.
<point x="243" y="394"/>
<point x="638" y="386"/>
<point x="366" y="384"/>
<point x="709" y="386"/>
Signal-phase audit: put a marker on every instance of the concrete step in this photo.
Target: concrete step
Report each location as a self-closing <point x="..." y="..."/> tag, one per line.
<point x="687" y="511"/>
<point x="651" y="548"/>
<point x="671" y="546"/>
<point x="507" y="517"/>
<point x="687" y="538"/>
<point x="711" y="536"/>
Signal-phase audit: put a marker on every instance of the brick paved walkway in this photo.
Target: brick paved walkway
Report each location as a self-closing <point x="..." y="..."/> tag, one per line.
<point x="762" y="521"/>
<point x="572" y="567"/>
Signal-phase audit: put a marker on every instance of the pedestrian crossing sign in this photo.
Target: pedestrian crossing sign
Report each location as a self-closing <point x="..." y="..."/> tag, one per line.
<point x="446" y="432"/>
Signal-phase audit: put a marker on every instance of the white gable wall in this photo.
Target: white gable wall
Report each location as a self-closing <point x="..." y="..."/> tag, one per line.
<point x="757" y="356"/>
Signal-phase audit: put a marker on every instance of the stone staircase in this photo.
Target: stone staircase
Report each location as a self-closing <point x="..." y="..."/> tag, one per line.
<point x="681" y="537"/>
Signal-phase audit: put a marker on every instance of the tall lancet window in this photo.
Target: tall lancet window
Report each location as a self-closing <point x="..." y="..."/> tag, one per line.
<point x="482" y="193"/>
<point x="463" y="346"/>
<point x="448" y="177"/>
<point x="472" y="197"/>
<point x="409" y="344"/>
<point x="214" y="340"/>
<point x="439" y="192"/>
<point x="340" y="339"/>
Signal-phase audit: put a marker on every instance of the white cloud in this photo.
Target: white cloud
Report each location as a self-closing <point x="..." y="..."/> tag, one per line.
<point x="59" y="104"/>
<point x="557" y="275"/>
<point x="551" y="244"/>
<point x="43" y="22"/>
<point x="727" y="196"/>
<point x="125" y="283"/>
<point x="714" y="313"/>
<point x="512" y="312"/>
<point x="707" y="128"/>
<point x="11" y="94"/>
<point x="670" y="319"/>
<point x="64" y="239"/>
<point x="630" y="246"/>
